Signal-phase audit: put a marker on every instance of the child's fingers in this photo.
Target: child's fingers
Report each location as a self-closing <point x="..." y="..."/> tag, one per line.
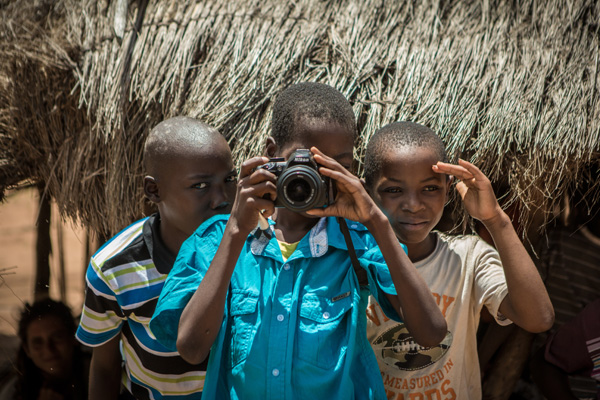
<point x="260" y="175"/>
<point x="462" y="189"/>
<point x="345" y="180"/>
<point x="458" y="171"/>
<point x="326" y="161"/>
<point x="476" y="172"/>
<point x="250" y="164"/>
<point x="262" y="189"/>
<point x="265" y="206"/>
<point x="268" y="211"/>
<point x="318" y="212"/>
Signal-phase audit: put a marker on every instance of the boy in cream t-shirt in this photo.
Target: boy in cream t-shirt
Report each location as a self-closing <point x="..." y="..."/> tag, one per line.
<point x="408" y="179"/>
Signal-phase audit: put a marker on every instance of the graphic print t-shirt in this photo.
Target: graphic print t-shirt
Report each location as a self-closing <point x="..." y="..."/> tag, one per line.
<point x="464" y="274"/>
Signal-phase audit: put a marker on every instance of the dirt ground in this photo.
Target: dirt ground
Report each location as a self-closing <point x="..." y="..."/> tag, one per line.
<point x="17" y="263"/>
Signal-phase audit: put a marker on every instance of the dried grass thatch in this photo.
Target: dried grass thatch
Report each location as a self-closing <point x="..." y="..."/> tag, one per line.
<point x="44" y="135"/>
<point x="511" y="86"/>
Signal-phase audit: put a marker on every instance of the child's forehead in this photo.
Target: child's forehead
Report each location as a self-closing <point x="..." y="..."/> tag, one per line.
<point x="305" y="127"/>
<point x="407" y="160"/>
<point x="207" y="157"/>
<point x="409" y="153"/>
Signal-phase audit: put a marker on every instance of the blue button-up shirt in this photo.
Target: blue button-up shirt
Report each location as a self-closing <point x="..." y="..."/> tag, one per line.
<point x="293" y="329"/>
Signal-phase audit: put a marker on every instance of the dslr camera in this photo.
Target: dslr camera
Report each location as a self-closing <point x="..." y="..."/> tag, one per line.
<point x="300" y="186"/>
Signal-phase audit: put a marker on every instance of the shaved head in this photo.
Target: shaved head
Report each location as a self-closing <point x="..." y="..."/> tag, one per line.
<point x="395" y="136"/>
<point x="176" y="137"/>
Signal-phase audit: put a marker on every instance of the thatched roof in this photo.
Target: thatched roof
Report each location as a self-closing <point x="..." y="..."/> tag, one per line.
<point x="511" y="86"/>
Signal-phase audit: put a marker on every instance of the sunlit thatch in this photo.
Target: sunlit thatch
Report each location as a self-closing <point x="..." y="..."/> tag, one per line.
<point x="510" y="85"/>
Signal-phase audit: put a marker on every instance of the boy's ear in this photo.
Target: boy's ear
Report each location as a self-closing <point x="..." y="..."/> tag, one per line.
<point x="450" y="180"/>
<point x="151" y="189"/>
<point x="365" y="186"/>
<point x="270" y="147"/>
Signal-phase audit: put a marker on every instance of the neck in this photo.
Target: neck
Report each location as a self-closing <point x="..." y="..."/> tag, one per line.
<point x="172" y="239"/>
<point x="419" y="251"/>
<point x="291" y="226"/>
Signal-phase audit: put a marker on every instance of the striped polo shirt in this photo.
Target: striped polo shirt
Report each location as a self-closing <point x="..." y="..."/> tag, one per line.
<point x="124" y="280"/>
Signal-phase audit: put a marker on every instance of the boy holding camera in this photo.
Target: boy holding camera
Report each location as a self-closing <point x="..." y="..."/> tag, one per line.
<point x="282" y="307"/>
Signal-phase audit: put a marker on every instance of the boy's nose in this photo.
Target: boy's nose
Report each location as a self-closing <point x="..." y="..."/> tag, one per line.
<point x="221" y="205"/>
<point x="219" y="199"/>
<point x="48" y="348"/>
<point x="412" y="203"/>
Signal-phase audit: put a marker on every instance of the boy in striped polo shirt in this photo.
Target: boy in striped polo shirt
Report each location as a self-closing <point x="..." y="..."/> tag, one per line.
<point x="190" y="178"/>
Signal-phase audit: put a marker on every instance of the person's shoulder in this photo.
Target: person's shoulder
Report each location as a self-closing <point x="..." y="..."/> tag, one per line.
<point x="214" y="225"/>
<point x="356" y="229"/>
<point x="120" y="244"/>
<point x="460" y="241"/>
<point x="462" y="245"/>
<point x="471" y="248"/>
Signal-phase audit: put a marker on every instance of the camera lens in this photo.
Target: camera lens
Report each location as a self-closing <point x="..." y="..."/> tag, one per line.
<point x="298" y="190"/>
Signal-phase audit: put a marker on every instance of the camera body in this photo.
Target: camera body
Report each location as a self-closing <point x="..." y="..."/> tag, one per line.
<point x="300" y="186"/>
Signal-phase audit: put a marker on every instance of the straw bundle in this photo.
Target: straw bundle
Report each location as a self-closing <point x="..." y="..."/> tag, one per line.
<point x="512" y="87"/>
<point x="42" y="130"/>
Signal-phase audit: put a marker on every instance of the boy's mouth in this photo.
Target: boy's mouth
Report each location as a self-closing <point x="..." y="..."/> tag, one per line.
<point x="412" y="225"/>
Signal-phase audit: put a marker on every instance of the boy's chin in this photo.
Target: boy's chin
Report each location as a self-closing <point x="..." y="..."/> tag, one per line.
<point x="305" y="214"/>
<point x="410" y="237"/>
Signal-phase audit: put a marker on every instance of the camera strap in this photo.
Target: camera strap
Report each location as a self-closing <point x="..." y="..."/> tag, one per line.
<point x="361" y="274"/>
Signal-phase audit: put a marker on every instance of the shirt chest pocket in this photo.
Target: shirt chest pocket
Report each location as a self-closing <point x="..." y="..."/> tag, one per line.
<point x="324" y="329"/>
<point x="243" y="322"/>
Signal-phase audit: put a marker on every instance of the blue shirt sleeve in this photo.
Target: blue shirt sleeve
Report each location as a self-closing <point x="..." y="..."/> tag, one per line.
<point x="193" y="260"/>
<point x="380" y="280"/>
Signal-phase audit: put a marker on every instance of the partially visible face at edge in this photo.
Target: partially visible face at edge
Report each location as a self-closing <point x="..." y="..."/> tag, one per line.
<point x="412" y="196"/>
<point x="195" y="184"/>
<point x="50" y="346"/>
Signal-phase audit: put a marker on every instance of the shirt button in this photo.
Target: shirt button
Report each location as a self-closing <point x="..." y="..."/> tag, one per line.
<point x="280" y="317"/>
<point x="326" y="315"/>
<point x="353" y="226"/>
<point x="275" y="372"/>
<point x="286" y="267"/>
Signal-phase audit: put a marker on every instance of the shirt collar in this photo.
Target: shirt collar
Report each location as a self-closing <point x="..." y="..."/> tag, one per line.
<point x="161" y="256"/>
<point x="324" y="234"/>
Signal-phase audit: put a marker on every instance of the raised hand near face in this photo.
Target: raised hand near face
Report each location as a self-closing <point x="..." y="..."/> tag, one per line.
<point x="352" y="200"/>
<point x="251" y="200"/>
<point x="474" y="188"/>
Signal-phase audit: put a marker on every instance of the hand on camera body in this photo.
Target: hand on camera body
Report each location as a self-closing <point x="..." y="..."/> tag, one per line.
<point x="256" y="191"/>
<point x="301" y="184"/>
<point x="351" y="200"/>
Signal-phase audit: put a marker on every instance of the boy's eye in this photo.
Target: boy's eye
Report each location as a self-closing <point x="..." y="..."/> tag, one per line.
<point x="201" y="185"/>
<point x="431" y="188"/>
<point x="393" y="190"/>
<point x="231" y="178"/>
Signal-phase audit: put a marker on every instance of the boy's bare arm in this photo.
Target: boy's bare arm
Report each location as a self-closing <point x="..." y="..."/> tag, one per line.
<point x="414" y="301"/>
<point x="202" y="317"/>
<point x="105" y="371"/>
<point x="527" y="303"/>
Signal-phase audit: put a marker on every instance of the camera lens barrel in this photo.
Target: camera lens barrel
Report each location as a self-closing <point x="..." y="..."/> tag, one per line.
<point x="301" y="188"/>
